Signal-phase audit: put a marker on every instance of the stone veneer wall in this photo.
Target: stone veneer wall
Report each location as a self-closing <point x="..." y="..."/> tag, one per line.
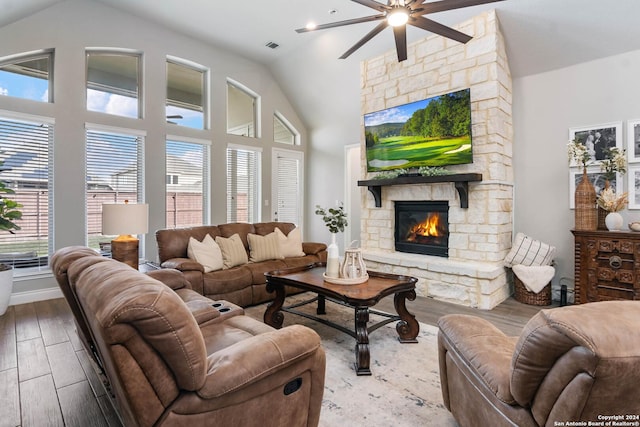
<point x="480" y="236"/>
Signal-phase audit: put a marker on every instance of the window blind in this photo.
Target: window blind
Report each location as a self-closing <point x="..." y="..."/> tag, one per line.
<point x="187" y="186"/>
<point x="243" y="185"/>
<point x="288" y="189"/>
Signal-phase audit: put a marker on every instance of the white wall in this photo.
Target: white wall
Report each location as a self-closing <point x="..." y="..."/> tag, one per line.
<point x="545" y="106"/>
<point x="74" y="25"/>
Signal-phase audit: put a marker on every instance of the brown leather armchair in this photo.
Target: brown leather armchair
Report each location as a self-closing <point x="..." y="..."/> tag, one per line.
<point x="166" y="368"/>
<point x="575" y="363"/>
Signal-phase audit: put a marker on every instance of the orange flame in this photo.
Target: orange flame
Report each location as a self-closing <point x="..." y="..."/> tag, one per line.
<point x="429" y="227"/>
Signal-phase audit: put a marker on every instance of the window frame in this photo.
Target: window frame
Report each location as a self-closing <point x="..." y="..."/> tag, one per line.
<point x="287" y="125"/>
<point x="206" y="98"/>
<point x="33" y="55"/>
<point x="257" y="107"/>
<point x="257" y="197"/>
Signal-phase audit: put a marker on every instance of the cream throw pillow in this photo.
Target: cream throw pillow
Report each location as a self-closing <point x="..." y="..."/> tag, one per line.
<point x="262" y="248"/>
<point x="291" y="244"/>
<point x="529" y="251"/>
<point x="206" y="253"/>
<point x="233" y="252"/>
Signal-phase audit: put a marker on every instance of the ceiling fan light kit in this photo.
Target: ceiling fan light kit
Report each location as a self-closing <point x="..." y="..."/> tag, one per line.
<point x="397" y="14"/>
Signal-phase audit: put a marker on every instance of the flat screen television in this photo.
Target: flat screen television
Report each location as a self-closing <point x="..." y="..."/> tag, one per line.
<point x="432" y="132"/>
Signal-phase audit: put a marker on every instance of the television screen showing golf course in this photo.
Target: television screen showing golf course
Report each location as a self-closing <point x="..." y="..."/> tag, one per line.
<point x="432" y="132"/>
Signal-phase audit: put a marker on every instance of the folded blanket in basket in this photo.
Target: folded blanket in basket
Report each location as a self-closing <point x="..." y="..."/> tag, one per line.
<point x="534" y="277"/>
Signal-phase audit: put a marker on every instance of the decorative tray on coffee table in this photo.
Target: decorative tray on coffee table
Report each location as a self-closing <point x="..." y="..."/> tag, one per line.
<point x="345" y="280"/>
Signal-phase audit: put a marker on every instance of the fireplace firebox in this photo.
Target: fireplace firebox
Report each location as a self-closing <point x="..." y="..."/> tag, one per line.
<point x="422" y="227"/>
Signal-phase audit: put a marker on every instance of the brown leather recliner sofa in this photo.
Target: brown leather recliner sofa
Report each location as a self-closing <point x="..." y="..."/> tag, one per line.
<point x="570" y="364"/>
<point x="173" y="357"/>
<point x="244" y="285"/>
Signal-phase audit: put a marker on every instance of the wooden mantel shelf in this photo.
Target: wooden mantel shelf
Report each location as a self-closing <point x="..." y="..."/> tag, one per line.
<point x="461" y="182"/>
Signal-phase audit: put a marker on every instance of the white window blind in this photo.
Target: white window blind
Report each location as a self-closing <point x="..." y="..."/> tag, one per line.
<point x="186" y="183"/>
<point x="28" y="76"/>
<point x="27" y="170"/>
<point x="186" y="95"/>
<point x="243" y="185"/>
<point x="282" y="131"/>
<point x="114" y="83"/>
<point x="288" y="189"/>
<point x="114" y="174"/>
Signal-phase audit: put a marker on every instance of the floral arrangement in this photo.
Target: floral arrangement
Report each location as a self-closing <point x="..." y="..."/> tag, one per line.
<point x="609" y="201"/>
<point x="614" y="161"/>
<point x="578" y="153"/>
<point x="334" y="218"/>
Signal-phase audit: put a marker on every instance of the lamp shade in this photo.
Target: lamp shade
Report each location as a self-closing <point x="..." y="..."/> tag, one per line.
<point x="125" y="218"/>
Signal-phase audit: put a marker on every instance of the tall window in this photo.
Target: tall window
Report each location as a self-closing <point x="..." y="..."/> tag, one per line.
<point x="114" y="174"/>
<point x="186" y="99"/>
<point x="24" y="151"/>
<point x="243" y="184"/>
<point x="242" y="110"/>
<point x="283" y="132"/>
<point x="286" y="185"/>
<point x="28" y="76"/>
<point x="187" y="183"/>
<point x="113" y="83"/>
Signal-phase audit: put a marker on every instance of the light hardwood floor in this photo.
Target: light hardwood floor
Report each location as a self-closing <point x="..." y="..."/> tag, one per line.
<point x="47" y="378"/>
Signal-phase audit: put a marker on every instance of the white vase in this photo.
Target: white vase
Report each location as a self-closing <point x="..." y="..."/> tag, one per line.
<point x="614" y="221"/>
<point x="6" y="287"/>
<point x="333" y="258"/>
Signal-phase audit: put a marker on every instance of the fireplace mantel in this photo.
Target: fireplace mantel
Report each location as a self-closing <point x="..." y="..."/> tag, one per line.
<point x="460" y="181"/>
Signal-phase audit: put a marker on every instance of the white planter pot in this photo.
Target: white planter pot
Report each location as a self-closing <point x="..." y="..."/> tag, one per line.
<point x="6" y="287"/>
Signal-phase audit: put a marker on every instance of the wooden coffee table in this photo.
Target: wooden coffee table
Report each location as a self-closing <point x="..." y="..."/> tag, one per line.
<point x="361" y="297"/>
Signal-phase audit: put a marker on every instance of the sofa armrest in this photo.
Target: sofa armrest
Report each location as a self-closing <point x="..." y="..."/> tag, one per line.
<point x="183" y="264"/>
<point x="313" y="248"/>
<point x="255" y="358"/>
<point x="171" y="277"/>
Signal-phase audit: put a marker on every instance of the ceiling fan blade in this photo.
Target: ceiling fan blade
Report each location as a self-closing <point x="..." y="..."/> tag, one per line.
<point x="381" y="26"/>
<point x="443" y="5"/>
<point x="373" y="5"/>
<point x="341" y="23"/>
<point x="437" y="28"/>
<point x="400" y="34"/>
<point x="175" y="116"/>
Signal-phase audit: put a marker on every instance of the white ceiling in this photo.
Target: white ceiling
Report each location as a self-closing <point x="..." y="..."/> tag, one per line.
<point x="541" y="35"/>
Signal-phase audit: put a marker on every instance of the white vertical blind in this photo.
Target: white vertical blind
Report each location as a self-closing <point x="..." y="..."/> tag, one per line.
<point x="186" y="183"/>
<point x="288" y="189"/>
<point x="243" y="185"/>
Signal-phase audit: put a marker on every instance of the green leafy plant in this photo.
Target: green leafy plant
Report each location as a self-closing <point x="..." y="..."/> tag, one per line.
<point x="432" y="171"/>
<point x="9" y="210"/>
<point x="334" y="218"/>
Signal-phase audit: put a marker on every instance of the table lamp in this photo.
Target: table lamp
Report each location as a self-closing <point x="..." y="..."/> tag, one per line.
<point x="125" y="220"/>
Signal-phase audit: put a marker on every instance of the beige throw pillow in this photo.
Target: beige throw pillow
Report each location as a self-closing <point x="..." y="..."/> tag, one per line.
<point x="206" y="253"/>
<point x="291" y="244"/>
<point x="233" y="252"/>
<point x="262" y="248"/>
<point x="529" y="251"/>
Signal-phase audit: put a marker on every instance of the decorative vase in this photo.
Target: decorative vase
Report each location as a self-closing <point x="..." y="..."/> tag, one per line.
<point x="614" y="221"/>
<point x="586" y="214"/>
<point x="602" y="213"/>
<point x="333" y="258"/>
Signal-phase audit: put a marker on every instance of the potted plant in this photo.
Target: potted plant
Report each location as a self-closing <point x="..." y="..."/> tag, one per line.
<point x="9" y="213"/>
<point x="336" y="220"/>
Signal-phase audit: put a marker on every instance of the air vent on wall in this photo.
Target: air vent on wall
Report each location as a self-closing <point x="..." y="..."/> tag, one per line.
<point x="272" y="45"/>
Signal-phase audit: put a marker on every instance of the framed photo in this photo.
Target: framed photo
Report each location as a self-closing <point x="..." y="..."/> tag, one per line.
<point x="633" y="173"/>
<point x="598" y="138"/>
<point x="596" y="176"/>
<point x="633" y="141"/>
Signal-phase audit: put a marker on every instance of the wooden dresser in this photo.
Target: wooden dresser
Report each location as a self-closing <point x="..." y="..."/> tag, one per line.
<point x="607" y="266"/>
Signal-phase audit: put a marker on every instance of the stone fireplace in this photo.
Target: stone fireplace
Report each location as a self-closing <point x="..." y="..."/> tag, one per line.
<point x="479" y="215"/>
<point x="422" y="227"/>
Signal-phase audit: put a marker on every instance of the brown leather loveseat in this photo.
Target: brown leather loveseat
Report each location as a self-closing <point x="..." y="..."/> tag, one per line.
<point x="244" y="284"/>
<point x="172" y="362"/>
<point x="575" y="364"/>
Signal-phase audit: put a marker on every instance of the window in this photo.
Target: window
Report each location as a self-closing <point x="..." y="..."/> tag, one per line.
<point x="286" y="185"/>
<point x="24" y="151"/>
<point x="243" y="184"/>
<point x="283" y="132"/>
<point x="28" y="76"/>
<point x="113" y="83"/>
<point x="242" y="110"/>
<point x="186" y="91"/>
<point x="114" y="174"/>
<point x="187" y="183"/>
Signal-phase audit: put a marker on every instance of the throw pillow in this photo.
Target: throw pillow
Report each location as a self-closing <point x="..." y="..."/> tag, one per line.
<point x="529" y="251"/>
<point x="291" y="244"/>
<point x="262" y="248"/>
<point x="233" y="251"/>
<point x="206" y="253"/>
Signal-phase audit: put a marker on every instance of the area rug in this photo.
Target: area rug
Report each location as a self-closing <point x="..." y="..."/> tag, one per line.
<point x="404" y="388"/>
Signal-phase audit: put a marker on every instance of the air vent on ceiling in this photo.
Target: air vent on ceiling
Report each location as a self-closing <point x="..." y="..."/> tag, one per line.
<point x="272" y="45"/>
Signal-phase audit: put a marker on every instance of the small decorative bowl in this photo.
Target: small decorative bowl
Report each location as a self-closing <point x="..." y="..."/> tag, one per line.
<point x="634" y="226"/>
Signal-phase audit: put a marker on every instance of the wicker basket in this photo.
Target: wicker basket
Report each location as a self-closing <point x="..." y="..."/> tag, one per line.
<point x="525" y="296"/>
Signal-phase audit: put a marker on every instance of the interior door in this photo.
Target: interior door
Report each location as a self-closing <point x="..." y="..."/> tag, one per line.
<point x="287" y="185"/>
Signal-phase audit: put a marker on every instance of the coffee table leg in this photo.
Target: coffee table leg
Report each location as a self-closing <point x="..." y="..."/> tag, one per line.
<point x="362" y="341"/>
<point x="273" y="316"/>
<point x="321" y="305"/>
<point x="408" y="327"/>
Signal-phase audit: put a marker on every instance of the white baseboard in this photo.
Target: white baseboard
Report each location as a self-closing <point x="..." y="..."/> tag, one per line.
<point x="33" y="296"/>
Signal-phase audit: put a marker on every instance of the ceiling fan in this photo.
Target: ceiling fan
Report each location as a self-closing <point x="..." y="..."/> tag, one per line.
<point x="399" y="13"/>
<point x="174" y="117"/>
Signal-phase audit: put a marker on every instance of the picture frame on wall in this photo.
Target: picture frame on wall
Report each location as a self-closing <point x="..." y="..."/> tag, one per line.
<point x="596" y="176"/>
<point x="633" y="182"/>
<point x="633" y="141"/>
<point x="597" y="138"/>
